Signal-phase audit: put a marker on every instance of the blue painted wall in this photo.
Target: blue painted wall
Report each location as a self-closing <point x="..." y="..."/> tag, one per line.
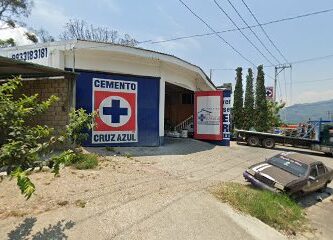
<point x="147" y="104"/>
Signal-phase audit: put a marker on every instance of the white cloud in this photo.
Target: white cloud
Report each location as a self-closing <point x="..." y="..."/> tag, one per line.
<point x="313" y="96"/>
<point x="16" y="33"/>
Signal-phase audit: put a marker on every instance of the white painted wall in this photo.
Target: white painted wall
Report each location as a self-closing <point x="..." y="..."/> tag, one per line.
<point x="122" y="60"/>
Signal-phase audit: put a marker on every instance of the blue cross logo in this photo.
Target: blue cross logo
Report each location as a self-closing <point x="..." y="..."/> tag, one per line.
<point x="202" y="117"/>
<point x="115" y="111"/>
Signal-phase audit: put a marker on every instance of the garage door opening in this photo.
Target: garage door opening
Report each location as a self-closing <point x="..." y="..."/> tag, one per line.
<point x="179" y="108"/>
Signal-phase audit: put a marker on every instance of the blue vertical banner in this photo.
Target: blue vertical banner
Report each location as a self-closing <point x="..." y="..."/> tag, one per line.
<point x="226" y="117"/>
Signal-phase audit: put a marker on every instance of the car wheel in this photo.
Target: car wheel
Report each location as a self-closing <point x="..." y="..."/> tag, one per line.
<point x="253" y="141"/>
<point x="268" y="143"/>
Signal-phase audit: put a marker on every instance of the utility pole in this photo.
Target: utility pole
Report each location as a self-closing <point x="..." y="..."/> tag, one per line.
<point x="329" y="115"/>
<point x="278" y="70"/>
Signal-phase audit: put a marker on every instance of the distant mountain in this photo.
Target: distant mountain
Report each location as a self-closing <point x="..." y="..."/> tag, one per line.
<point x="302" y="112"/>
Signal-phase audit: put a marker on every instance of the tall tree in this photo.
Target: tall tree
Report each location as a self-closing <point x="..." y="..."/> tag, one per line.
<point x="79" y="29"/>
<point x="249" y="101"/>
<point x="238" y="116"/>
<point x="274" y="108"/>
<point x="261" y="108"/>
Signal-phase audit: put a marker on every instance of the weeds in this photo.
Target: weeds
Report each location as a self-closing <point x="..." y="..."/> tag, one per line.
<point x="80" y="160"/>
<point x="276" y="210"/>
<point x="85" y="161"/>
<point x="128" y="155"/>
<point x="80" y="203"/>
<point x="110" y="149"/>
<point x="62" y="203"/>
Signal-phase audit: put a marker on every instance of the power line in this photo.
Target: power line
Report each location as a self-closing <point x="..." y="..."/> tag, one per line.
<point x="312" y="59"/>
<point x="217" y="34"/>
<point x="242" y="28"/>
<point x="223" y="69"/>
<point x="292" y="63"/>
<point x="233" y="22"/>
<point x="270" y="40"/>
<point x="253" y="32"/>
<point x="311" y="81"/>
<point x="203" y="21"/>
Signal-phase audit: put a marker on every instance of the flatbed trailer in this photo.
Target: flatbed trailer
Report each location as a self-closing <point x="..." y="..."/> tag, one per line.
<point x="268" y="140"/>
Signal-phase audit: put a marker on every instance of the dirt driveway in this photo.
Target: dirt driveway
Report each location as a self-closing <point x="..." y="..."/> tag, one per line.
<point x="159" y="193"/>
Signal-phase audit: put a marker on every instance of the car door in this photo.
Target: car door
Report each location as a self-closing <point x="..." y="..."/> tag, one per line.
<point x="322" y="178"/>
<point x="313" y="182"/>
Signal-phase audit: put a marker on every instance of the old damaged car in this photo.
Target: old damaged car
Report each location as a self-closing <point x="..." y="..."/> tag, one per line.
<point x="293" y="173"/>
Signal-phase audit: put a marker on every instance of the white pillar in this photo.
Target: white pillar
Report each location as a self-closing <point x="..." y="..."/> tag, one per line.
<point x="161" y="107"/>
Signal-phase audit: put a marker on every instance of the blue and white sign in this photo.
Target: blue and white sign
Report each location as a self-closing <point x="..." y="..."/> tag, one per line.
<point x="226" y="117"/>
<point x="269" y="93"/>
<point x="115" y="101"/>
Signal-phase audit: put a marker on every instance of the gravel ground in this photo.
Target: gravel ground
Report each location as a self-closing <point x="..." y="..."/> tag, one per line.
<point x="153" y="193"/>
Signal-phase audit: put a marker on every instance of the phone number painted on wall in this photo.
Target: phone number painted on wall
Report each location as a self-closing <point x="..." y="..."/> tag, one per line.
<point x="31" y="55"/>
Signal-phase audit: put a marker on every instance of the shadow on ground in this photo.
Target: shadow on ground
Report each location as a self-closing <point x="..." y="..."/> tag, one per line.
<point x="315" y="197"/>
<point x="24" y="229"/>
<point x="172" y="146"/>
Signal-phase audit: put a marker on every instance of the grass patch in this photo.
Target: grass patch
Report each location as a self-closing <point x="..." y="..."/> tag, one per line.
<point x="82" y="161"/>
<point x="85" y="161"/>
<point x="128" y="155"/>
<point x="276" y="210"/>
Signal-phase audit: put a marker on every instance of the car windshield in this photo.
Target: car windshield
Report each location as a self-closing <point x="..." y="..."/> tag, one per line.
<point x="294" y="167"/>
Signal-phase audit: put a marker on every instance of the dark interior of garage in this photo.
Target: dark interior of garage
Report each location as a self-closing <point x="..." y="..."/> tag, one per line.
<point x="179" y="107"/>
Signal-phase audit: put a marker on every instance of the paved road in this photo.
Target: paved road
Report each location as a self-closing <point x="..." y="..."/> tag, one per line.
<point x="202" y="161"/>
<point x="159" y="194"/>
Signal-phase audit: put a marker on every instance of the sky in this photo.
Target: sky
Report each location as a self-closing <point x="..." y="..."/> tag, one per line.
<point x="159" y="20"/>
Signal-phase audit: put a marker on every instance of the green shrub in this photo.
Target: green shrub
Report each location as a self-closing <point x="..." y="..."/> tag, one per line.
<point x="22" y="145"/>
<point x="79" y="123"/>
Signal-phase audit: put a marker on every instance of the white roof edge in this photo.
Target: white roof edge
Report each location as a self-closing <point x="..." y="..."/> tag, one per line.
<point x="47" y="44"/>
<point x="79" y="44"/>
<point x="154" y="54"/>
